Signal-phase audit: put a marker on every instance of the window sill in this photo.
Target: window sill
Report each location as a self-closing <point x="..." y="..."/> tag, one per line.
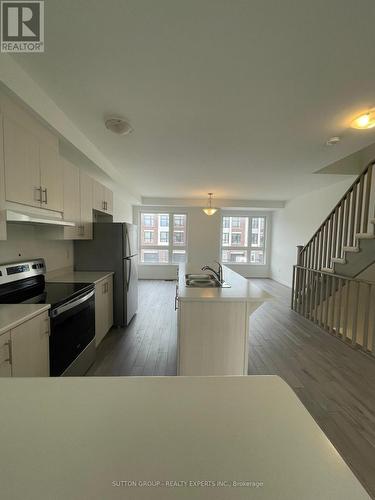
<point x="243" y="264"/>
<point x="146" y="264"/>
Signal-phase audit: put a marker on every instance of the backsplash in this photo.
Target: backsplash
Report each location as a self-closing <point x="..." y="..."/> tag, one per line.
<point x="28" y="242"/>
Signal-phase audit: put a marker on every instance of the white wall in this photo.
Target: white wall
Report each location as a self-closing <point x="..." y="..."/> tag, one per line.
<point x="203" y="239"/>
<point x="123" y="206"/>
<point x="295" y="225"/>
<point x="29" y="242"/>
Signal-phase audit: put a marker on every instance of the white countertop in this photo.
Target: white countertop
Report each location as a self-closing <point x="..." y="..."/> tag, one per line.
<point x="12" y="315"/>
<point x="242" y="289"/>
<point x="77" y="276"/>
<point x="70" y="438"/>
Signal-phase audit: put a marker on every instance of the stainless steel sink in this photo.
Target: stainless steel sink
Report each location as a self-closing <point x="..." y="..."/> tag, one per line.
<point x="204" y="281"/>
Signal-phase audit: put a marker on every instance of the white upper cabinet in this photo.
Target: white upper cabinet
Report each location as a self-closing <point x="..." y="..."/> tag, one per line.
<point x="108" y="198"/>
<point x="103" y="198"/>
<point x="21" y="162"/>
<point x="33" y="173"/>
<point x="51" y="178"/>
<point x="87" y="201"/>
<point x="78" y="202"/>
<point x="72" y="202"/>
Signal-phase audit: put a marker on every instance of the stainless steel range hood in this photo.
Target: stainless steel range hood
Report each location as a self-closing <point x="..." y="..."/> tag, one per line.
<point x="26" y="217"/>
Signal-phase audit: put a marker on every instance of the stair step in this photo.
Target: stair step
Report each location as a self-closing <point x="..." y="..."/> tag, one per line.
<point x="365" y="236"/>
<point x="351" y="249"/>
<point x="327" y="270"/>
<point x="338" y="260"/>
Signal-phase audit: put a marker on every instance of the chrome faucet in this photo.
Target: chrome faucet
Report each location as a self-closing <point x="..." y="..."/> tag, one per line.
<point x="218" y="273"/>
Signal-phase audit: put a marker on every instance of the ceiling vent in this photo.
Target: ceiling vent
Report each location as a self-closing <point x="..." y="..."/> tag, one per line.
<point x="118" y="125"/>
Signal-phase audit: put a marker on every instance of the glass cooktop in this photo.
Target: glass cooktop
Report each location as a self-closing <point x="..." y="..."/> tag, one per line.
<point x="39" y="292"/>
<point x="57" y="293"/>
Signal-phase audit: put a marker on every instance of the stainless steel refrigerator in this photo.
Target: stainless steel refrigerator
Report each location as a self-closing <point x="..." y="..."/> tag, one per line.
<point x="114" y="248"/>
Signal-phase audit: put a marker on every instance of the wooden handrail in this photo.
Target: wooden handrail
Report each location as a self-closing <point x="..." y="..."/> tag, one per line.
<point x="325" y="273"/>
<point x="348" y="217"/>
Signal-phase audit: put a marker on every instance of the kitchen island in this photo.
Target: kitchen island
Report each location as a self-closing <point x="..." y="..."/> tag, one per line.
<point x="213" y="323"/>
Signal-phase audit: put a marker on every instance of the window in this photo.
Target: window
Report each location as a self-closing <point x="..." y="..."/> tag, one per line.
<point x="179" y="220"/>
<point x="178" y="238"/>
<point x="148" y="220"/>
<point x="236" y="222"/>
<point x="165" y="243"/>
<point x="148" y="237"/>
<point x="243" y="240"/>
<point x="236" y="238"/>
<point x="164" y="220"/>
<point x="164" y="237"/>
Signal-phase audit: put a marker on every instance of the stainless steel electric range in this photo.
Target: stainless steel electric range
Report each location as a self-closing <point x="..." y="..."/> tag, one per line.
<point x="72" y="313"/>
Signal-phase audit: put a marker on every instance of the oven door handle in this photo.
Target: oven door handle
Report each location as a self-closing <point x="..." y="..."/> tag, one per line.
<point x="70" y="305"/>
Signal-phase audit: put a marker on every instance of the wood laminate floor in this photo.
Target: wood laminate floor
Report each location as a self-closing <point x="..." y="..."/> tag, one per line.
<point x="334" y="382"/>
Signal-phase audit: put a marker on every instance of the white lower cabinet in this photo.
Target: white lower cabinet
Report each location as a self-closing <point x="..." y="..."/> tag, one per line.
<point x="5" y="355"/>
<point x="103" y="308"/>
<point x="29" y="347"/>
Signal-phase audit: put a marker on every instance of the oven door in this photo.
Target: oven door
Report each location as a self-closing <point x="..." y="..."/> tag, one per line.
<point x="72" y="330"/>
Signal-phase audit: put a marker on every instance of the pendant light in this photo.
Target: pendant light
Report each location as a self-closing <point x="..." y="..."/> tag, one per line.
<point x="210" y="210"/>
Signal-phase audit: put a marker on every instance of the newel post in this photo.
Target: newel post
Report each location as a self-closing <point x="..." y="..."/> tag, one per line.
<point x="299" y="255"/>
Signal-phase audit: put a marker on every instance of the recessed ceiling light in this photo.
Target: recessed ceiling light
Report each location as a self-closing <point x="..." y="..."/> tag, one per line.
<point x="364" y="121"/>
<point x="118" y="125"/>
<point x="333" y="141"/>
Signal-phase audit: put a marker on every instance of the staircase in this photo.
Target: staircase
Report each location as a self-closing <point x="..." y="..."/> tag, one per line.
<point x="326" y="287"/>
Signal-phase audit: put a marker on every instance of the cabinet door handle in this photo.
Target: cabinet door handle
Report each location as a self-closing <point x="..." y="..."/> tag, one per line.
<point x="45" y="200"/>
<point x="38" y="190"/>
<point x="9" y="344"/>
<point x="103" y="205"/>
<point x="48" y="331"/>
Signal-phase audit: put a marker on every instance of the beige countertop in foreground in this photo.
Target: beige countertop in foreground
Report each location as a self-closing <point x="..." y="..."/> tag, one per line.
<point x="242" y="289"/>
<point x="83" y="438"/>
<point x="77" y="276"/>
<point x="12" y="315"/>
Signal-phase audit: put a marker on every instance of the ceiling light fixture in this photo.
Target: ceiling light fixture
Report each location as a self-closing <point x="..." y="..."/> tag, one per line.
<point x="364" y="121"/>
<point x="210" y="210"/>
<point x="118" y="125"/>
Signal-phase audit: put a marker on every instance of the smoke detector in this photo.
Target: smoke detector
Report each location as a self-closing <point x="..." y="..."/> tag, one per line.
<point x="333" y="141"/>
<point x="118" y="125"/>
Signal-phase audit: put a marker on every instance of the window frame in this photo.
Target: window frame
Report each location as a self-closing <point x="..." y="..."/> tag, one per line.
<point x="249" y="248"/>
<point x="171" y="247"/>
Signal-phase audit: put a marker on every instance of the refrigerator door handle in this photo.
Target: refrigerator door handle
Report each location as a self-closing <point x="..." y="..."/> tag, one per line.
<point x="129" y="267"/>
<point x="130" y="249"/>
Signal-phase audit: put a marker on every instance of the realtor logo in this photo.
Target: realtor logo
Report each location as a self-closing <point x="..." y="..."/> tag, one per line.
<point x="22" y="26"/>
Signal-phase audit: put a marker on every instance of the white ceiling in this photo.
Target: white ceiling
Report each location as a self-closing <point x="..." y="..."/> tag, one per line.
<point x="236" y="97"/>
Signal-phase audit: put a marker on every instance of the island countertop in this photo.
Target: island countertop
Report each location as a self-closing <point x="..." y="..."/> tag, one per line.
<point x="241" y="289"/>
<point x="126" y="437"/>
